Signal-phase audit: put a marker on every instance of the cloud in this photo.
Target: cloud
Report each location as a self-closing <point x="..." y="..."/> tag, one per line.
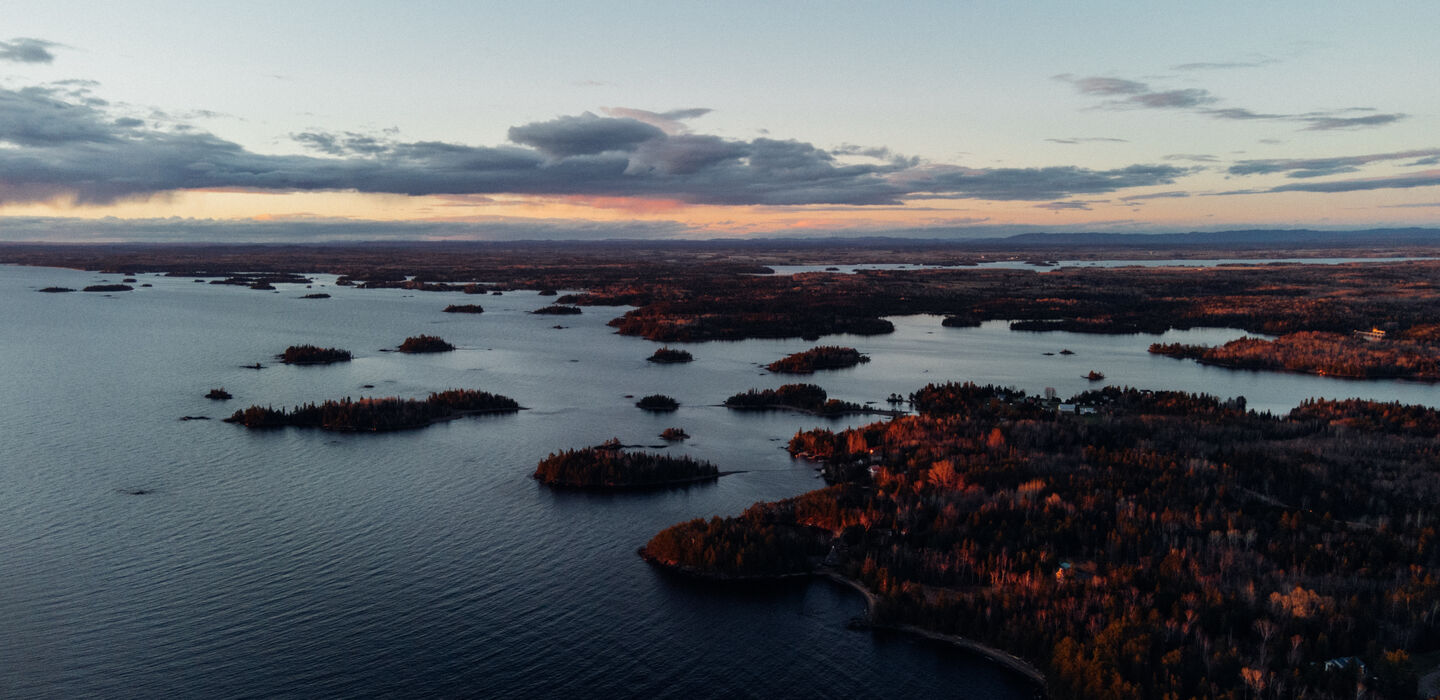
<point x="1133" y="94"/>
<point x="1173" y="194"/>
<point x="671" y="122"/>
<point x="1008" y="184"/>
<point x="1226" y="65"/>
<point x="586" y="134"/>
<point x="1065" y="206"/>
<point x="1428" y="178"/>
<point x="1073" y="140"/>
<point x="1331" y="123"/>
<point x="1315" y="167"/>
<point x="60" y="143"/>
<point x="1192" y="157"/>
<point x="27" y="50"/>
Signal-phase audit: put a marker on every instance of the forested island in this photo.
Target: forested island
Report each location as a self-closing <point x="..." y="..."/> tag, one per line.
<point x="1169" y="545"/>
<point x="377" y="414"/>
<point x="608" y="466"/>
<point x="806" y="398"/>
<point x="557" y="310"/>
<point x="218" y="394"/>
<point x="312" y="355"/>
<point x="658" y="402"/>
<point x="816" y="358"/>
<point x="668" y="356"/>
<point x="55" y="290"/>
<point x="425" y="343"/>
<point x="108" y="288"/>
<point x="1411" y="355"/>
<point x="464" y="309"/>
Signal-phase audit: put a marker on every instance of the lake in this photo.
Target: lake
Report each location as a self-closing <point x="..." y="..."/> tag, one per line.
<point x="427" y="563"/>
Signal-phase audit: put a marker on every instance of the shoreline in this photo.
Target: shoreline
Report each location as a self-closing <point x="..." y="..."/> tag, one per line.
<point x="989" y="653"/>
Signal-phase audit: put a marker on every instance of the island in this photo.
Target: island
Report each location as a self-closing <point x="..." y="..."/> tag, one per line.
<point x="674" y="434"/>
<point x="218" y="395"/>
<point x="464" y="309"/>
<point x="1166" y="545"/>
<point x="378" y="414"/>
<point x="425" y="343"/>
<point x="608" y="466"/>
<point x="1374" y="354"/>
<point x="658" y="402"/>
<point x="312" y="355"/>
<point x="556" y="310"/>
<point x="55" y="290"/>
<point x="316" y="295"/>
<point x="668" y="356"/>
<point x="820" y="357"/>
<point x="805" y="398"/>
<point x="108" y="288"/>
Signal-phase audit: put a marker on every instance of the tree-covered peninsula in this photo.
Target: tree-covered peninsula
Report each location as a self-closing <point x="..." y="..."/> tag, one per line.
<point x="1411" y="355"/>
<point x="313" y="355"/>
<point x="820" y="357"/>
<point x="377" y="414"/>
<point x="608" y="466"/>
<point x="1167" y="545"/>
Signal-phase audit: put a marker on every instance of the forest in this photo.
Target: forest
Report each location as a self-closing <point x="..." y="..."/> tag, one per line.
<point x="609" y="466"/>
<point x="377" y="414"/>
<point x="312" y="355"/>
<point x="816" y="358"/>
<point x="1314" y="352"/>
<point x="1168" y="545"/>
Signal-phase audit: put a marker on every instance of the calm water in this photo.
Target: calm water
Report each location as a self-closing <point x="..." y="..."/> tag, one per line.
<point x="426" y="563"/>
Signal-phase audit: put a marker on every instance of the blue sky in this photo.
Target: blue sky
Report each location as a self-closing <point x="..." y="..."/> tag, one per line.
<point x="800" y="118"/>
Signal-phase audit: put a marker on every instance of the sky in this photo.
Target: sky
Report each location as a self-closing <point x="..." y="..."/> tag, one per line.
<point x="313" y="121"/>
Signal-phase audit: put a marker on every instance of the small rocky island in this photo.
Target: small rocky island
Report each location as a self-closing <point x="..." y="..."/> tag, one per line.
<point x="108" y="288"/>
<point x="658" y="402"/>
<point x="425" y="343"/>
<point x="806" y="398"/>
<point x="674" y="434"/>
<point x="317" y="295"/>
<point x="218" y="395"/>
<point x="608" y="466"/>
<point x="464" y="309"/>
<point x="821" y="357"/>
<point x="376" y="415"/>
<point x="312" y="355"/>
<point x="669" y="356"/>
<point x="557" y="310"/>
<point x="55" y="290"/>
